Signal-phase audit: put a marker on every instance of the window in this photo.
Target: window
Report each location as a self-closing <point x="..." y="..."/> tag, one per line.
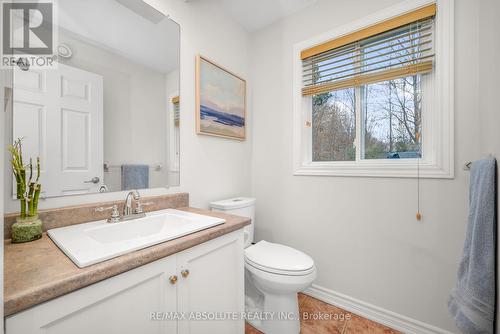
<point x="391" y="118"/>
<point x="334" y="126"/>
<point x="366" y="102"/>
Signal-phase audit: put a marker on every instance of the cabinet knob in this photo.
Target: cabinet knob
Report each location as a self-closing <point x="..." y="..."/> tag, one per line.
<point x="185" y="273"/>
<point x="173" y="279"/>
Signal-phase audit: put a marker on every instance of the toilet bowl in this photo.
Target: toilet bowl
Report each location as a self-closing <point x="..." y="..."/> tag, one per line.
<point x="278" y="273"/>
<point x="274" y="274"/>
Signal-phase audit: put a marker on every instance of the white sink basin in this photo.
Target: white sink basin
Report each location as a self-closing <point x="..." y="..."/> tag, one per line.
<point x="90" y="243"/>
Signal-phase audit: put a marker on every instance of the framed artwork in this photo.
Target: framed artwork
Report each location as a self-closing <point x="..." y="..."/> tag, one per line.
<point x="220" y="101"/>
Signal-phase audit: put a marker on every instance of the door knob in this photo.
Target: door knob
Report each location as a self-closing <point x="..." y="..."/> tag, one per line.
<point x="95" y="180"/>
<point x="185" y="273"/>
<point x="173" y="279"/>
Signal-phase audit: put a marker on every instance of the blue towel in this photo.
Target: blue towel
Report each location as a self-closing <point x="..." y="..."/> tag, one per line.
<point x="135" y="177"/>
<point x="472" y="302"/>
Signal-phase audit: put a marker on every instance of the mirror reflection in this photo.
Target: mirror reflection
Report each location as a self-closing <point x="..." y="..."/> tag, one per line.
<point x="107" y="118"/>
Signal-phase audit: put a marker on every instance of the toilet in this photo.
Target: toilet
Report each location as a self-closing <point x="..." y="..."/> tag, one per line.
<point x="274" y="274"/>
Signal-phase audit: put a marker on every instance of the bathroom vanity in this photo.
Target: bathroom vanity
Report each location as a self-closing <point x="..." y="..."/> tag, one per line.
<point x="172" y="287"/>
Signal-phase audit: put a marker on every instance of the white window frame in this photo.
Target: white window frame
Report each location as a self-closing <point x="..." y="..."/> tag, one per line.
<point x="437" y="116"/>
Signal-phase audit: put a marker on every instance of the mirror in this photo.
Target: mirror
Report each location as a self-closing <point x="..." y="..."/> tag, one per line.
<point x="107" y="117"/>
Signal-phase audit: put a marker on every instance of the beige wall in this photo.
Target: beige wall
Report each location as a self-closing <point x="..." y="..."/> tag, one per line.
<point x="362" y="232"/>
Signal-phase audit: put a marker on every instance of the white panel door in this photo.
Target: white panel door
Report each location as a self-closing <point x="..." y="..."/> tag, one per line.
<point x="58" y="112"/>
<point x="122" y="304"/>
<point x="30" y="104"/>
<point x="215" y="283"/>
<point x="81" y="141"/>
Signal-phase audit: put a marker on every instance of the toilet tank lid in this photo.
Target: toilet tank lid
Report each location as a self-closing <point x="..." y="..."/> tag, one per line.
<point x="233" y="203"/>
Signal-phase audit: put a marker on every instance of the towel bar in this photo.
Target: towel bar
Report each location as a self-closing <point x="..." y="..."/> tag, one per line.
<point x="467" y="164"/>
<point x="106" y="166"/>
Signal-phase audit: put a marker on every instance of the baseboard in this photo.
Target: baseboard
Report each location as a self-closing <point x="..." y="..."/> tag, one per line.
<point x="372" y="312"/>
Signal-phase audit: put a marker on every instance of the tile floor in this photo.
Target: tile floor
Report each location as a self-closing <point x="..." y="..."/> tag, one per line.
<point x="350" y="324"/>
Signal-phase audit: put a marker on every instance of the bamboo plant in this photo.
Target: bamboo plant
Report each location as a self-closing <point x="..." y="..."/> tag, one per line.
<point x="28" y="191"/>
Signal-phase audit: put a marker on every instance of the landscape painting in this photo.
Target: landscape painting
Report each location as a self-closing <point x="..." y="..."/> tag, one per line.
<point x="221" y="101"/>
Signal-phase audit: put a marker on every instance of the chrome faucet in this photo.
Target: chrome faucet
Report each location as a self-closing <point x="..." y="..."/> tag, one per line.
<point x="128" y="213"/>
<point x="127" y="206"/>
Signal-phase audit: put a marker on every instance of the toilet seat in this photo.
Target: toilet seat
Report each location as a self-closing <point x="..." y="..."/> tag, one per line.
<point x="279" y="272"/>
<point x="278" y="259"/>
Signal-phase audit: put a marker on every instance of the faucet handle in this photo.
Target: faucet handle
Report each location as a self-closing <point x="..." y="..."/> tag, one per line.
<point x="102" y="208"/>
<point x="115" y="214"/>
<point x="136" y="195"/>
<point x="138" y="207"/>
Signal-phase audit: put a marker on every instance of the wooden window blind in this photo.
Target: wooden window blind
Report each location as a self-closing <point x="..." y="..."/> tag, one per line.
<point x="177" y="109"/>
<point x="399" y="47"/>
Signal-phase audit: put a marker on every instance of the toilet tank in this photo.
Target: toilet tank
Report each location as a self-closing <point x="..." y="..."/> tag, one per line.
<point x="240" y="206"/>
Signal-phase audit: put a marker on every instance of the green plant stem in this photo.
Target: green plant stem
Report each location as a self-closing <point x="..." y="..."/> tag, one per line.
<point x="18" y="184"/>
<point x="31" y="171"/>
<point x="23" y="208"/>
<point x="37" y="188"/>
<point x="23" y="192"/>
<point x="37" y="169"/>
<point x="28" y="191"/>
<point x="19" y="172"/>
<point x="35" y="199"/>
<point x="31" y="194"/>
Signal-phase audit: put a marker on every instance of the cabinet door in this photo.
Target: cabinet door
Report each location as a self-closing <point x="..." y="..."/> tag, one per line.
<point x="214" y="285"/>
<point x="121" y="304"/>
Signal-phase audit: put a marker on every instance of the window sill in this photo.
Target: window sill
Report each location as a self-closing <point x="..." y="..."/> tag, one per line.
<point x="374" y="169"/>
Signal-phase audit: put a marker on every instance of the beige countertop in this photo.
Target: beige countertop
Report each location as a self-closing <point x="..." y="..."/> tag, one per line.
<point x="38" y="271"/>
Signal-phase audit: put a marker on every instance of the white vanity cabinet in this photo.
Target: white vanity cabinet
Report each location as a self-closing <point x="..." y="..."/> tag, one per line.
<point x="203" y="281"/>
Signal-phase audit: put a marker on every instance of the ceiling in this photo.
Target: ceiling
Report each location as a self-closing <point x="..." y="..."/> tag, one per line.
<point x="257" y="14"/>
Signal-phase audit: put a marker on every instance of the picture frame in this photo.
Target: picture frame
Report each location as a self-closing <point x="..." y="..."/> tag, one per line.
<point x="220" y="101"/>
